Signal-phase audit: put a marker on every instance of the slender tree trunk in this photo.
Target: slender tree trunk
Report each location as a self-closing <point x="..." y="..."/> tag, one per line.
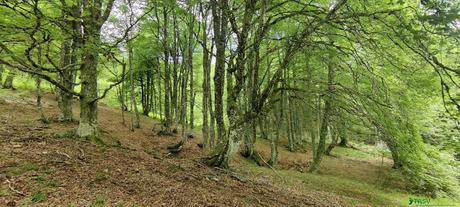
<point x="160" y="96"/>
<point x="324" y="123"/>
<point x="219" y="28"/>
<point x="134" y="110"/>
<point x="183" y="112"/>
<point x="38" y="91"/>
<point x="190" y="68"/>
<point x="167" y="81"/>
<point x="206" y="79"/>
<point x="174" y="97"/>
<point x="274" y="138"/>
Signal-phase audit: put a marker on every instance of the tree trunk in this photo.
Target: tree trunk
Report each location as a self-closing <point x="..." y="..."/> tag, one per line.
<point x="219" y="28"/>
<point x="334" y="138"/>
<point x="93" y="22"/>
<point x="1" y="75"/>
<point x="190" y="69"/>
<point x="65" y="78"/>
<point x="324" y="123"/>
<point x="134" y="111"/>
<point x="88" y="100"/>
<point x="8" y="84"/>
<point x="274" y="138"/>
<point x="175" y="108"/>
<point x="206" y="79"/>
<point x="167" y="81"/>
<point x="38" y="82"/>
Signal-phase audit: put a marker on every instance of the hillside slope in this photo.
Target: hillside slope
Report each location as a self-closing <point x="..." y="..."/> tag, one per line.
<point x="40" y="165"/>
<point x="130" y="169"/>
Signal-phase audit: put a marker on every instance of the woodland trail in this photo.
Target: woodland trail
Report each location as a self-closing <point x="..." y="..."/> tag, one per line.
<point x="46" y="168"/>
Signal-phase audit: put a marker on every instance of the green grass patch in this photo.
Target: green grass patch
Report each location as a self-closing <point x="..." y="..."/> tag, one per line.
<point x="4" y="191"/>
<point x="100" y="177"/>
<point x="38" y="197"/>
<point x="357" y="192"/>
<point x="98" y="201"/>
<point x="21" y="169"/>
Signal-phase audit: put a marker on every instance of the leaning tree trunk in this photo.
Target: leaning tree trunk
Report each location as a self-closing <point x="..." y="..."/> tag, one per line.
<point x="324" y="123"/>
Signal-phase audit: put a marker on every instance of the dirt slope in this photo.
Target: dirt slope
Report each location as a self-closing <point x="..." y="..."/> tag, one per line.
<point x="132" y="169"/>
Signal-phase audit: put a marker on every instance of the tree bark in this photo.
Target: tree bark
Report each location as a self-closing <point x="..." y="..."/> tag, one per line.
<point x="38" y="89"/>
<point x="206" y="80"/>
<point x="65" y="78"/>
<point x="324" y="123"/>
<point x="219" y="28"/>
<point x="88" y="101"/>
<point x="175" y="108"/>
<point x="190" y="68"/>
<point x="167" y="81"/>
<point x="8" y="84"/>
<point x="334" y="138"/>
<point x="134" y="111"/>
<point x="1" y="75"/>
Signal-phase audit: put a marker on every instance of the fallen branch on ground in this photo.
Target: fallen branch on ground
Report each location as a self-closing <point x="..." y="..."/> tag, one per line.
<point x="10" y="186"/>
<point x="63" y="154"/>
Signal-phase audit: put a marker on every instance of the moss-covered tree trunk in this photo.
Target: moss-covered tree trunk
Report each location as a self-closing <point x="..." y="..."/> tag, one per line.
<point x="65" y="78"/>
<point x="219" y="29"/>
<point x="88" y="100"/>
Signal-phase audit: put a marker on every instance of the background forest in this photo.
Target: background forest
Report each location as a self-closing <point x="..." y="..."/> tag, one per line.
<point x="297" y="75"/>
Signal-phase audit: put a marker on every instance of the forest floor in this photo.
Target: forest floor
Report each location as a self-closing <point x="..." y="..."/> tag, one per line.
<point x="41" y="166"/>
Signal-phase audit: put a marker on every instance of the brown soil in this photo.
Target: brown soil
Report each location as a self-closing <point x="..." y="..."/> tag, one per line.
<point x="132" y="169"/>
